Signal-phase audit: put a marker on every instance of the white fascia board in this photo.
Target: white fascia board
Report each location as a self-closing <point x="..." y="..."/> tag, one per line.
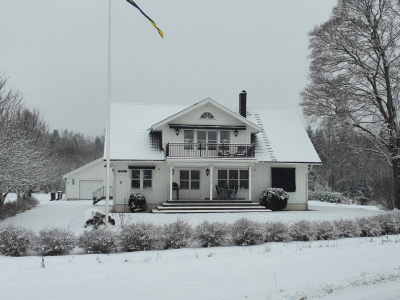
<point x="83" y="167"/>
<point x="198" y="104"/>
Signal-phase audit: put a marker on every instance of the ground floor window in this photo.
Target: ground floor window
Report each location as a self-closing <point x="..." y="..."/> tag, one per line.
<point x="284" y="178"/>
<point x="189" y="179"/>
<point x="233" y="178"/>
<point x="142" y="179"/>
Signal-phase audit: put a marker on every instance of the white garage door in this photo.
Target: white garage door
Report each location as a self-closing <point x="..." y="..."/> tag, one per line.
<point x="87" y="187"/>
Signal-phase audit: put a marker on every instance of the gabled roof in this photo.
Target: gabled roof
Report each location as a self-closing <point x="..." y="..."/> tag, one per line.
<point x="283" y="137"/>
<point x="199" y="104"/>
<point x="83" y="167"/>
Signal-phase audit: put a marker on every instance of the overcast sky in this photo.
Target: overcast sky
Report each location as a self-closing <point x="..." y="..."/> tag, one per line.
<point x="55" y="52"/>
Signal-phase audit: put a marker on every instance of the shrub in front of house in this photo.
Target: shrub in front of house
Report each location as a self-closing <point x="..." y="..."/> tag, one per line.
<point x="369" y="227"/>
<point x="246" y="232"/>
<point x="140" y="236"/>
<point x="137" y="203"/>
<point x="274" y="199"/>
<point x="276" y="232"/>
<point x="11" y="208"/>
<point x="99" y="219"/>
<point x="347" y="228"/>
<point x="177" y="234"/>
<point x="388" y="222"/>
<point x="101" y="240"/>
<point x="54" y="241"/>
<point x="332" y="197"/>
<point x="15" y="240"/>
<point x="326" y="230"/>
<point x="211" y="234"/>
<point x="302" y="231"/>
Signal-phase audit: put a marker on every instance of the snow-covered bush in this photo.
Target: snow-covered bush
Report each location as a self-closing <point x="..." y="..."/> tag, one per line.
<point x="54" y="241"/>
<point x="302" y="231"/>
<point x="139" y="236"/>
<point x="137" y="202"/>
<point x="211" y="234"/>
<point x="326" y="230"/>
<point x="246" y="232"/>
<point x="369" y="226"/>
<point x="99" y="219"/>
<point x="100" y="240"/>
<point x="347" y="228"/>
<point x="177" y="234"/>
<point x="276" y="232"/>
<point x="389" y="223"/>
<point x="274" y="199"/>
<point x="15" y="240"/>
<point x="11" y="208"/>
<point x="332" y="197"/>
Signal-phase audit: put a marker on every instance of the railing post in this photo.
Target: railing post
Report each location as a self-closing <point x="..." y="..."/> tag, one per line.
<point x="200" y="148"/>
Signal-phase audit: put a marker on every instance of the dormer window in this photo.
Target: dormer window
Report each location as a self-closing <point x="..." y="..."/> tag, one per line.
<point x="207" y="115"/>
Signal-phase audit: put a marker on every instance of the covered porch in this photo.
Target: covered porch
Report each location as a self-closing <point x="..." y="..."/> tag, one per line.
<point x="210" y="180"/>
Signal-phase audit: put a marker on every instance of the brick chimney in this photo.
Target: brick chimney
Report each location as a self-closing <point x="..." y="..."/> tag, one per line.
<point x="242" y="103"/>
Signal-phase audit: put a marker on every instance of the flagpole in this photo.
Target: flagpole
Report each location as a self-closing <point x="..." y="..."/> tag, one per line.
<point x="108" y="115"/>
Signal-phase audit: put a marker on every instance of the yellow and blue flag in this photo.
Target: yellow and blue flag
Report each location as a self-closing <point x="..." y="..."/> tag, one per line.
<point x="151" y="21"/>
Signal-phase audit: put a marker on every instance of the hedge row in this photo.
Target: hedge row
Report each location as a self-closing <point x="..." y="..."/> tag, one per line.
<point x="333" y="197"/>
<point x="142" y="236"/>
<point x="11" y="208"/>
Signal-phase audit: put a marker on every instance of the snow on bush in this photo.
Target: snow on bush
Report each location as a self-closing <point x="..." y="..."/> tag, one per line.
<point x="326" y="230"/>
<point x="139" y="236"/>
<point x="332" y="197"/>
<point x="99" y="219"/>
<point x="11" y="208"/>
<point x="99" y="240"/>
<point x="302" y="231"/>
<point x="388" y="222"/>
<point x="211" y="234"/>
<point x="177" y="234"/>
<point x="347" y="228"/>
<point x="137" y="203"/>
<point x="246" y="232"/>
<point x="276" y="232"/>
<point x="15" y="240"/>
<point x="54" y="241"/>
<point x="274" y="199"/>
<point x="369" y="226"/>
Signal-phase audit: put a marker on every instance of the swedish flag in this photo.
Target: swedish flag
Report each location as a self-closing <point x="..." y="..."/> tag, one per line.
<point x="151" y="21"/>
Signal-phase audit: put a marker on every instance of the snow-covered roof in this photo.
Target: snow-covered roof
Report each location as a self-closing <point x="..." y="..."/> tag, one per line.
<point x="283" y="138"/>
<point x="83" y="167"/>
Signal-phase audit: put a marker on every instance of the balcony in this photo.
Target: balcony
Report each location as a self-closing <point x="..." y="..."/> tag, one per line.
<point x="207" y="150"/>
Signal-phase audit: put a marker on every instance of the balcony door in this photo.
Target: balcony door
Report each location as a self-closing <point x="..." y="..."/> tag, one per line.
<point x="207" y="141"/>
<point x="189" y="184"/>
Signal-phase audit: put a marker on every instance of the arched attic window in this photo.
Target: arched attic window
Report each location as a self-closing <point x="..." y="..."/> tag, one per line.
<point x="207" y="115"/>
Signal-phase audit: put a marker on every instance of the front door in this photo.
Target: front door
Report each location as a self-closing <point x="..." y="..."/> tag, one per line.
<point x="189" y="184"/>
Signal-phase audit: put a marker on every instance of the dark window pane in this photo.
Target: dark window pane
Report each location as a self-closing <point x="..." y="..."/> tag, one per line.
<point x="136" y="184"/>
<point x="212" y="137"/>
<point x="146" y="184"/>
<point x="147" y="174"/>
<point x="195" y="185"/>
<point x="225" y="137"/>
<point x="184" y="175"/>
<point x="244" y="184"/>
<point x="184" y="185"/>
<point x="135" y="174"/>
<point x="188" y="136"/>
<point x="195" y="175"/>
<point x="284" y="178"/>
<point x="233" y="174"/>
<point x="201" y="135"/>
<point x="244" y="174"/>
<point x="222" y="183"/>
<point x="233" y="183"/>
<point x="222" y="174"/>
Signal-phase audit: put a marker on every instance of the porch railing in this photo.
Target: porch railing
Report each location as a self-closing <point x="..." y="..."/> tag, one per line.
<point x="100" y="194"/>
<point x="211" y="150"/>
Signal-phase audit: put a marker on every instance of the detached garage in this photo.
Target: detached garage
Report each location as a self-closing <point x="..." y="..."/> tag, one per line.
<point x="82" y="182"/>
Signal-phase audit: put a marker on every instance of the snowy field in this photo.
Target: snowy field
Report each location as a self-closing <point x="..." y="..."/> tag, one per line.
<point x="357" y="268"/>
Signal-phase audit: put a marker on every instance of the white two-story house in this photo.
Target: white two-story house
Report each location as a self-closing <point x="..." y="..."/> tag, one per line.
<point x="202" y="146"/>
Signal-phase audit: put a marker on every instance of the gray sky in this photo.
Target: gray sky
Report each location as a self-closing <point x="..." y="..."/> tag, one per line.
<point x="55" y="52"/>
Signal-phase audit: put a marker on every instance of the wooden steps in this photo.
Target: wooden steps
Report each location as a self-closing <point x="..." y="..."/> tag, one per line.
<point x="207" y="206"/>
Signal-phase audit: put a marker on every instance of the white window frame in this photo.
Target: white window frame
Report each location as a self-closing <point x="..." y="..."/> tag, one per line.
<point x="142" y="178"/>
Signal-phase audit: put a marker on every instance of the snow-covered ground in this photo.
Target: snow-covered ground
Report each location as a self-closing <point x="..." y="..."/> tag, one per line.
<point x="358" y="268"/>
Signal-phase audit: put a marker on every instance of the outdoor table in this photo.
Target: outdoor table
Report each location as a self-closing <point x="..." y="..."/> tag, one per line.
<point x="226" y="193"/>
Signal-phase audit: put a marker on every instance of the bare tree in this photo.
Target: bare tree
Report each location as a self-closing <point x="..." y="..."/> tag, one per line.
<point x="355" y="75"/>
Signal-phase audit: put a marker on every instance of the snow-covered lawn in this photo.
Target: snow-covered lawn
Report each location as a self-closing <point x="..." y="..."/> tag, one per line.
<point x="358" y="268"/>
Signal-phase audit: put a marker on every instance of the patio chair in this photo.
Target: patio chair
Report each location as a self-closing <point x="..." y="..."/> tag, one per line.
<point x="234" y="194"/>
